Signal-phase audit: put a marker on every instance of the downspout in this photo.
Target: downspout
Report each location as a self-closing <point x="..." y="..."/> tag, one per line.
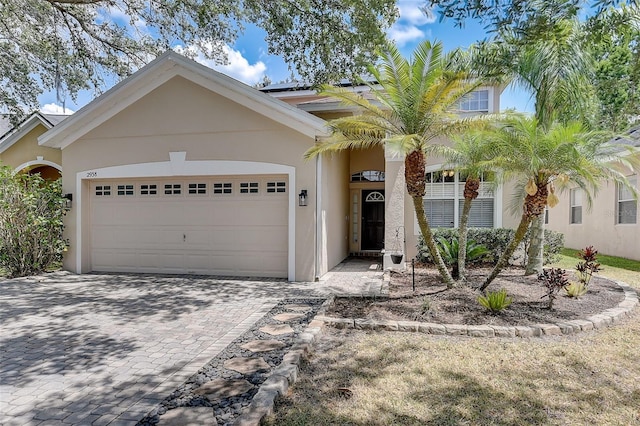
<point x="318" y="216"/>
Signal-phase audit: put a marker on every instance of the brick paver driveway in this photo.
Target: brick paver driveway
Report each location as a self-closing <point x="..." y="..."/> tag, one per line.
<point x="105" y="349"/>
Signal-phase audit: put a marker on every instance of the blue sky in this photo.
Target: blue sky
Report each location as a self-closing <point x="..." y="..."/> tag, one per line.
<point x="249" y="62"/>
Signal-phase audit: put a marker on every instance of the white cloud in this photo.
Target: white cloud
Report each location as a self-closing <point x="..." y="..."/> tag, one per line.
<point x="412" y="17"/>
<point x="403" y="34"/>
<point x="413" y="13"/>
<point x="237" y="65"/>
<point x="55" y="109"/>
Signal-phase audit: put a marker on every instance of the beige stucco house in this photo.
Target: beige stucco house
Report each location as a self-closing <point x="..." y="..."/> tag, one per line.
<point x="181" y="169"/>
<point x="380" y="212"/>
<point x="19" y="148"/>
<point x="611" y="225"/>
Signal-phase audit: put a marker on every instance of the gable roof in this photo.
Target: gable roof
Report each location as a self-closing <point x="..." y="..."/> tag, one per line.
<point x="158" y="72"/>
<point x="630" y="137"/>
<point x="11" y="135"/>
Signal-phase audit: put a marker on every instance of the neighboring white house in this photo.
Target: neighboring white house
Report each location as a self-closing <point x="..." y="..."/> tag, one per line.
<point x="611" y="225"/>
<point x="19" y="147"/>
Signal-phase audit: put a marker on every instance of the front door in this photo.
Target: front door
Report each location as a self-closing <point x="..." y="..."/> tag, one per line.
<point x="372" y="220"/>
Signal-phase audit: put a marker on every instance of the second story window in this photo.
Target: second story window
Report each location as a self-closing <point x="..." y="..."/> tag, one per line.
<point x="477" y="101"/>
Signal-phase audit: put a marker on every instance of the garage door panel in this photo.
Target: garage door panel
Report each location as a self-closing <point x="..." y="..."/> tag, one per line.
<point x="232" y="234"/>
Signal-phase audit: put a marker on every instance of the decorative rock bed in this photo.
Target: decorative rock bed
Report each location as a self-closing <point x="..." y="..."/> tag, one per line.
<point x="601" y="320"/>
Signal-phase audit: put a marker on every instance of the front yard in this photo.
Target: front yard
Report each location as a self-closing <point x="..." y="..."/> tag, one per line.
<point x="381" y="378"/>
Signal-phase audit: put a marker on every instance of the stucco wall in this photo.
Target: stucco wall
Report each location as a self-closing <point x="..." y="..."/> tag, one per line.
<point x="334" y="212"/>
<point x="366" y="159"/>
<point x="598" y="227"/>
<point x="183" y="117"/>
<point x="27" y="149"/>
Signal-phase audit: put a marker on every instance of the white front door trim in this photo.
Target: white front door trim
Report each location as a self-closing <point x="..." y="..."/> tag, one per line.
<point x="179" y="166"/>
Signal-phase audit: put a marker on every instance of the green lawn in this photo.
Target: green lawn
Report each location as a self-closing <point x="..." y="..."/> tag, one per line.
<point x="569" y="260"/>
<point x="386" y="378"/>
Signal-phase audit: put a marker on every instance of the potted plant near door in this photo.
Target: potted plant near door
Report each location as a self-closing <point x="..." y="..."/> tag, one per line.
<point x="397" y="253"/>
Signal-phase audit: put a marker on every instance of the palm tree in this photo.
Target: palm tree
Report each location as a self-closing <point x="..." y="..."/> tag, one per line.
<point x="556" y="69"/>
<point x="562" y="155"/>
<point x="471" y="155"/>
<point x="412" y="103"/>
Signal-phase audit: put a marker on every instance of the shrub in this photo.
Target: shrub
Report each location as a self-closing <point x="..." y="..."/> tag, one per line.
<point x="449" y="252"/>
<point x="31" y="212"/>
<point x="588" y="266"/>
<point x="495" y="301"/>
<point x="576" y="289"/>
<point x="554" y="280"/>
<point x="495" y="240"/>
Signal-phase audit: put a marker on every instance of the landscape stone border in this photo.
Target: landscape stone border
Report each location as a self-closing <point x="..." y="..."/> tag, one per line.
<point x="601" y="320"/>
<point x="283" y="376"/>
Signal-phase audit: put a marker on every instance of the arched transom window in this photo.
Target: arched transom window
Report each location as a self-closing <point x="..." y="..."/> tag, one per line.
<point x="374" y="197"/>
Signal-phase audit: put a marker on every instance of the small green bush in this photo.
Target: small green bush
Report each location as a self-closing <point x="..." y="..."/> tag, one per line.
<point x="496" y="241"/>
<point x="495" y="301"/>
<point x="449" y="252"/>
<point x="576" y="289"/>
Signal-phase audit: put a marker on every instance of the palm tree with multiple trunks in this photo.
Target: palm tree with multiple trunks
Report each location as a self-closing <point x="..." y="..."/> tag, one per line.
<point x="411" y="103"/>
<point x="546" y="158"/>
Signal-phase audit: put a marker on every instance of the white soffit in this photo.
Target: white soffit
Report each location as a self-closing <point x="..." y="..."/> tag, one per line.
<point x="158" y="72"/>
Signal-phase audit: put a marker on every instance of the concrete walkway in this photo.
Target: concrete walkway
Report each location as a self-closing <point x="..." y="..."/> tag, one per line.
<point x="106" y="349"/>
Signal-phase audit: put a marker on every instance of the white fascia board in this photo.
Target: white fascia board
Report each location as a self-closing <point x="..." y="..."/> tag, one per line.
<point x="19" y="132"/>
<point x="160" y="71"/>
<point x="291" y="94"/>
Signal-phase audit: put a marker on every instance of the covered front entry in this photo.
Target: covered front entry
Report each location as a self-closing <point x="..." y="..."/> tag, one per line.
<point x="218" y="225"/>
<point x="372" y="219"/>
<point x="46" y="172"/>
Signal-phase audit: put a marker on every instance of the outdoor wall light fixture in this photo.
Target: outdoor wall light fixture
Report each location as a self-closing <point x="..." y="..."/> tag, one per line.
<point x="68" y="198"/>
<point x="302" y="198"/>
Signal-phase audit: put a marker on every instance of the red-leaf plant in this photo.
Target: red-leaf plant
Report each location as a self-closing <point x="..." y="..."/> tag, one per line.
<point x="588" y="266"/>
<point x="554" y="280"/>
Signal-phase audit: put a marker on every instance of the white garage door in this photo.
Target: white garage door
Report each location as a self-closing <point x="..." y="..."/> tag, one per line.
<point x="202" y="225"/>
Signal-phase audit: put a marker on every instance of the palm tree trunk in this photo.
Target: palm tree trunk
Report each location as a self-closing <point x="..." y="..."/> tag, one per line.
<point x="535" y="254"/>
<point x="425" y="229"/>
<point x="504" y="259"/>
<point x="463" y="232"/>
<point x="471" y="187"/>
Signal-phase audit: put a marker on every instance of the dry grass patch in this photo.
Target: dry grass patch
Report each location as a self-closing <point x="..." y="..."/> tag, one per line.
<point x="366" y="378"/>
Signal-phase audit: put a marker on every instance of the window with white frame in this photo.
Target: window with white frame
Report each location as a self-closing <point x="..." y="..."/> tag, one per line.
<point x="102" y="190"/>
<point x="197" y="188"/>
<point x="173" y="189"/>
<point x="222" y="188"/>
<point x="249" y="187"/>
<point x="444" y="201"/>
<point x="477" y="100"/>
<point x="627" y="205"/>
<point x="148" y="189"/>
<point x="276" y="187"/>
<point x="125" y="190"/>
<point x="576" y="206"/>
